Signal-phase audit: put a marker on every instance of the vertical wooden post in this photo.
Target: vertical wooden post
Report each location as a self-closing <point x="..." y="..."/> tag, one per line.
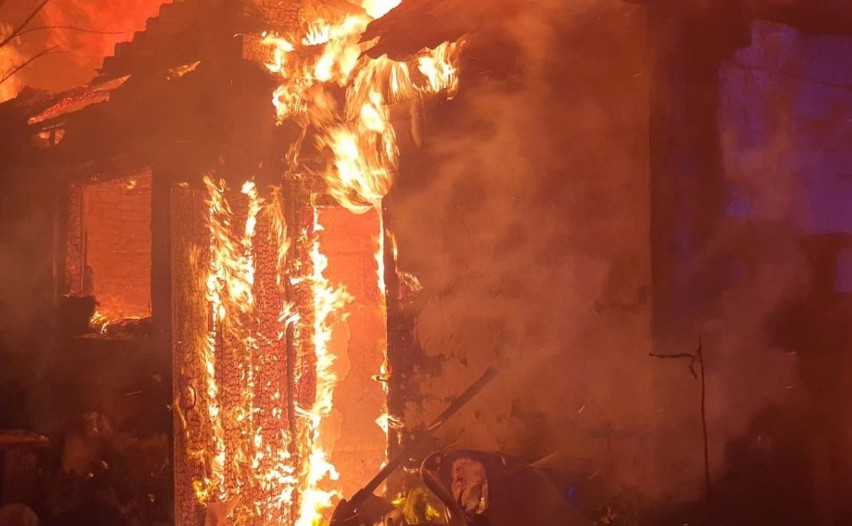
<point x="189" y="244"/>
<point x="161" y="276"/>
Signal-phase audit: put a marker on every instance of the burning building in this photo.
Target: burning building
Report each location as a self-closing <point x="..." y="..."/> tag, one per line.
<point x="271" y="240"/>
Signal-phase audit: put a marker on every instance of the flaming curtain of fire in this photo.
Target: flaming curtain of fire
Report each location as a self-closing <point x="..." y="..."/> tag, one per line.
<point x="248" y="452"/>
<point x="318" y="62"/>
<point x="260" y="460"/>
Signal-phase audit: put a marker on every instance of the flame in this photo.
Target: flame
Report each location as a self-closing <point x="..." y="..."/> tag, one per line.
<point x="212" y="487"/>
<point x="113" y="21"/>
<point x="384" y="417"/>
<point x="105" y="23"/>
<point x="439" y="67"/>
<point x="99" y="322"/>
<point x="362" y="160"/>
<point x="11" y="57"/>
<point x="240" y="456"/>
<point x="360" y="138"/>
<point x="328" y="301"/>
<point x="293" y="471"/>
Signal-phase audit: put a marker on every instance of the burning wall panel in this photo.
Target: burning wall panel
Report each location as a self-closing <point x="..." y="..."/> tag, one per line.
<point x="230" y="357"/>
<point x="273" y="393"/>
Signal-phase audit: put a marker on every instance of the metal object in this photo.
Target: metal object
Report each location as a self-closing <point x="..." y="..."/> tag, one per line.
<point x="346" y="512"/>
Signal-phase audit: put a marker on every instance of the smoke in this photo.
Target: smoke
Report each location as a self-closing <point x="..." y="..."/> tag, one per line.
<point x="25" y="315"/>
<point x="757" y="249"/>
<point x="525" y="215"/>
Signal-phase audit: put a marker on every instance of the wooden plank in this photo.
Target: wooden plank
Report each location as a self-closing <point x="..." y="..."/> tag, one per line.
<point x="189" y="246"/>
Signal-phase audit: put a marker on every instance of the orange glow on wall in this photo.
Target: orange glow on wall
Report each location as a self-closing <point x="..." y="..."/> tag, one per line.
<point x="117" y="233"/>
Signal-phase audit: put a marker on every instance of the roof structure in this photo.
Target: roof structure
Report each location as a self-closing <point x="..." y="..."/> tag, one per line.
<point x="176" y="36"/>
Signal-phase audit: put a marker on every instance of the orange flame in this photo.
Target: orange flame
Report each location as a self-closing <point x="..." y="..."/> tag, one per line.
<point x="361" y="139"/>
<point x="241" y="454"/>
<point x="327" y="301"/>
<point x="10" y="58"/>
<point x="379" y="8"/>
<point x="363" y="155"/>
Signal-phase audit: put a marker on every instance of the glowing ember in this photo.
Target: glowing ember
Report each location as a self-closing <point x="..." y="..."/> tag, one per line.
<point x="99" y="322"/>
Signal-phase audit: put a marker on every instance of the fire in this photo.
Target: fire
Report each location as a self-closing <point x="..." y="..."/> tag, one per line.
<point x="10" y="58"/>
<point x="438" y="66"/>
<point x="363" y="156"/>
<point x="99" y="322"/>
<point x="110" y="22"/>
<point x="243" y="453"/>
<point x="379" y="8"/>
<point x="360" y="138"/>
<point x="84" y="32"/>
<point x="384" y="418"/>
<point x="213" y="486"/>
<point x="327" y="302"/>
<point x="253" y="447"/>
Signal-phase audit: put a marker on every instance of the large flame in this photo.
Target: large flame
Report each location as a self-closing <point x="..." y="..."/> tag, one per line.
<point x="241" y="454"/>
<point x="359" y="136"/>
<point x="316" y="489"/>
<point x="324" y="56"/>
<point x="250" y="447"/>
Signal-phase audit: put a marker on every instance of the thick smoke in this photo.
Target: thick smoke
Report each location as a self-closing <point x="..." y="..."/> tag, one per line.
<point x="25" y="313"/>
<point x="526" y="214"/>
<point x="526" y="217"/>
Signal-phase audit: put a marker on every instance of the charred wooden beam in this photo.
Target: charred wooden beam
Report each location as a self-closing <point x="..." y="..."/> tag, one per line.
<point x="161" y="280"/>
<point x="189" y="251"/>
